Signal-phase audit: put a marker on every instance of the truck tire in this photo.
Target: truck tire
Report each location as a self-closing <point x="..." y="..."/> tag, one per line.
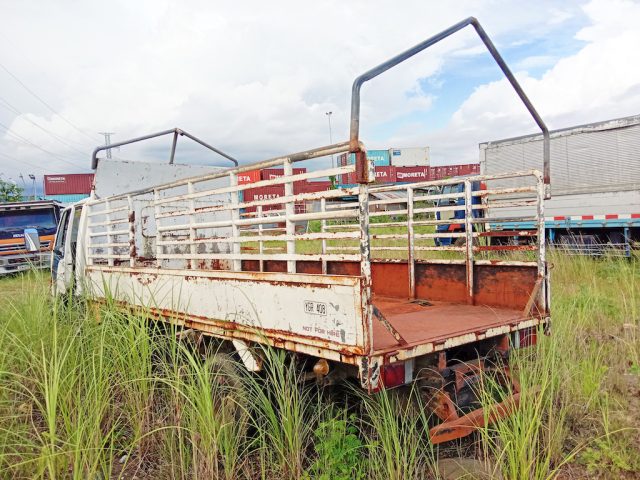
<point x="227" y="386"/>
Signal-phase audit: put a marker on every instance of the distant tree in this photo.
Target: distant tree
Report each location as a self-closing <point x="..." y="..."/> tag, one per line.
<point x="10" y="192"/>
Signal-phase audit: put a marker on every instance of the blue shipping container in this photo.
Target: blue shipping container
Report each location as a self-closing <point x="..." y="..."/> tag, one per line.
<point x="380" y="158"/>
<point x="68" y="198"/>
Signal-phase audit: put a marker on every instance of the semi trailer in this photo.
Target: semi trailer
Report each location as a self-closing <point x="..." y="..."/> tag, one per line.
<point x="596" y="190"/>
<point x="362" y="298"/>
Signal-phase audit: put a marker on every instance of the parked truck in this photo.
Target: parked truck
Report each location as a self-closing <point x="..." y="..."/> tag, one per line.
<point x="26" y="234"/>
<point x="596" y="189"/>
<point x="371" y="301"/>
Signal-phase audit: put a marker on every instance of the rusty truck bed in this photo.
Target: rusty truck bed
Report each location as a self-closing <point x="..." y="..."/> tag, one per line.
<point x="422" y="322"/>
<point x="203" y="256"/>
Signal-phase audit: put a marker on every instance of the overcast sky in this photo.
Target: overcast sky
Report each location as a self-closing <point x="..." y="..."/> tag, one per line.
<point x="256" y="78"/>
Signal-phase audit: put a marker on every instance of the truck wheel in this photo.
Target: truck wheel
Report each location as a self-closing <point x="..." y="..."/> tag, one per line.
<point x="228" y="390"/>
<point x="226" y="387"/>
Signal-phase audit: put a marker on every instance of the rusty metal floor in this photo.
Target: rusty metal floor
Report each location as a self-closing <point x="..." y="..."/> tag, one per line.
<point x="421" y="324"/>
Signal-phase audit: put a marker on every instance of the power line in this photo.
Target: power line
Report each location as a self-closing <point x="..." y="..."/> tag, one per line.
<point x="37" y="146"/>
<point x="13" y="109"/>
<point x="5" y="103"/>
<point x="9" y="157"/>
<point x="45" y="103"/>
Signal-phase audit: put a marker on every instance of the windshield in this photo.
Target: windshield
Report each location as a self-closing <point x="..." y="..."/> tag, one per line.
<point x="27" y="218"/>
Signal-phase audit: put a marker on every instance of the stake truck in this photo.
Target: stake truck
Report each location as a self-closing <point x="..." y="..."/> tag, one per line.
<point x="366" y="295"/>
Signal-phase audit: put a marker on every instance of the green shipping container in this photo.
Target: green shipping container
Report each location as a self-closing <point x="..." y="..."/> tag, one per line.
<point x="380" y="158"/>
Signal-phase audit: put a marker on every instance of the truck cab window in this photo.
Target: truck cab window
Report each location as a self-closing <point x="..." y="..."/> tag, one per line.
<point x="62" y="233"/>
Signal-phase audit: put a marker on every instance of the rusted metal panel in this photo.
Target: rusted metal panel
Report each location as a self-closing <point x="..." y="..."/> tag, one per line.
<point x="504" y="286"/>
<point x="441" y="282"/>
<point x="343" y="268"/>
<point x="390" y="279"/>
<point x="440" y="323"/>
<point x="307" y="308"/>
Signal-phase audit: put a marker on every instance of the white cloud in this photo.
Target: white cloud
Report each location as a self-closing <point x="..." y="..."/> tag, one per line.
<point x="599" y="82"/>
<point x="536" y="61"/>
<point x="255" y="79"/>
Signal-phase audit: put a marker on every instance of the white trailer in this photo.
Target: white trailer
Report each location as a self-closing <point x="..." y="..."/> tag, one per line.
<point x="596" y="182"/>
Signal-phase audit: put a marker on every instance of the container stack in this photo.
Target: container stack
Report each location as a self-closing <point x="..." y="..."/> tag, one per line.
<point x="269" y="192"/>
<point x="68" y="188"/>
<point x="395" y="165"/>
<point x="404" y="165"/>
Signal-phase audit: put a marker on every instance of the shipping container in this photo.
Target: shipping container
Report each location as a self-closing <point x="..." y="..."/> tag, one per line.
<point x="251" y="176"/>
<point x="385" y="174"/>
<point x="448" y="171"/>
<point x="380" y="158"/>
<point x="312" y="187"/>
<point x="68" y="183"/>
<point x="411" y="174"/>
<point x="268" y="193"/>
<point x="271" y="173"/>
<point x="409" y="157"/>
<point x="68" y="198"/>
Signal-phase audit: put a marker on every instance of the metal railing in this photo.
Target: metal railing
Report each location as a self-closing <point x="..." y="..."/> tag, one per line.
<point x="205" y="219"/>
<point x="185" y="223"/>
<point x="204" y="223"/>
<point x="411" y="226"/>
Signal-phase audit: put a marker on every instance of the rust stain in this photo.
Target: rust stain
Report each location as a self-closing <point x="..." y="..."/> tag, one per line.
<point x="391" y="279"/>
<point x="144" y="278"/>
<point x="441" y="282"/>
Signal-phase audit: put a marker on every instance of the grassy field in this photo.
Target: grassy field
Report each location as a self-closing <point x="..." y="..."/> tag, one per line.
<point x="95" y="396"/>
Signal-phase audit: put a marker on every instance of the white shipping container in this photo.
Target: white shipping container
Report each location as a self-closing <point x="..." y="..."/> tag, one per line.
<point x="409" y="157"/>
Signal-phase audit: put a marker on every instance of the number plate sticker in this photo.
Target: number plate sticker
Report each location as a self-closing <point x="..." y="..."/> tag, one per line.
<point x="315" y="308"/>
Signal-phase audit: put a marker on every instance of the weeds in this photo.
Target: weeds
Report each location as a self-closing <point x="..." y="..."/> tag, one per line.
<point x="122" y="396"/>
<point x="338" y="449"/>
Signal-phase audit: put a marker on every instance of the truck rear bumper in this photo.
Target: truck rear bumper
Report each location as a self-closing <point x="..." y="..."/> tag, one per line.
<point x="18" y="263"/>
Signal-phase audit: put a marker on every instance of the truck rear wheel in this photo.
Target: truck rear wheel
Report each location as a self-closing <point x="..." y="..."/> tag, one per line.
<point x="227" y="388"/>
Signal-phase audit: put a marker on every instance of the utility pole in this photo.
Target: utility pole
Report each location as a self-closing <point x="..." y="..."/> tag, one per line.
<point x="107" y="141"/>
<point x="328" y="114"/>
<point x="33" y="179"/>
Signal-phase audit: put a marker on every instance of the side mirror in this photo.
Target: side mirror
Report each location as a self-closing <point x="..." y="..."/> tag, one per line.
<point x="31" y="240"/>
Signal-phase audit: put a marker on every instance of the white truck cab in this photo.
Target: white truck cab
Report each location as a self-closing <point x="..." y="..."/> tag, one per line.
<point x="68" y="250"/>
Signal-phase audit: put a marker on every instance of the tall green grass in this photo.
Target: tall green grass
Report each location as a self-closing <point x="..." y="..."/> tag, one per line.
<point x="575" y="404"/>
<point x="115" y="395"/>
